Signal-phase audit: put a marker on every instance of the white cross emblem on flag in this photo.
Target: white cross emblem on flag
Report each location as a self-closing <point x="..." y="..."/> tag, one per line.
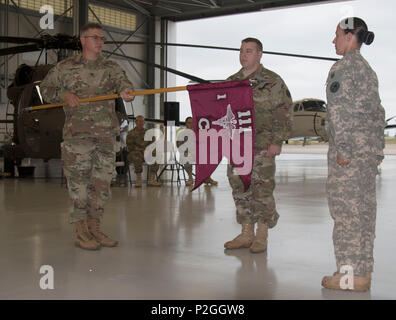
<point x="228" y="121"/>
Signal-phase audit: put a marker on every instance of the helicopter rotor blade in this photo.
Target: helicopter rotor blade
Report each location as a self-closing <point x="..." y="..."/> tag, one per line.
<point x="64" y="41"/>
<point x="20" y="40"/>
<point x="19" y="49"/>
<point x="220" y="48"/>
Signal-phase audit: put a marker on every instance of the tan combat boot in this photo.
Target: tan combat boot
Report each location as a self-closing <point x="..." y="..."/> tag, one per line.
<point x="360" y="283"/>
<point x="85" y="240"/>
<point x="104" y="240"/>
<point x="211" y="181"/>
<point x="260" y="241"/>
<point x="243" y="240"/>
<point x="138" y="183"/>
<point x="152" y="181"/>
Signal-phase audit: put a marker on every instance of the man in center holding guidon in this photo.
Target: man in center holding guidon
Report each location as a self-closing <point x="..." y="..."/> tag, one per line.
<point x="273" y="117"/>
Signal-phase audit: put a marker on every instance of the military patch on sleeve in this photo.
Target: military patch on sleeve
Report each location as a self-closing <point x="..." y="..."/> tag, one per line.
<point x="334" y="86"/>
<point x="332" y="75"/>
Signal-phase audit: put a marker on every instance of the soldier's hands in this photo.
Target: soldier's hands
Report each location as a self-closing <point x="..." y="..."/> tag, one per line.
<point x="71" y="99"/>
<point x="273" y="150"/>
<point x="343" y="162"/>
<point x="126" y="95"/>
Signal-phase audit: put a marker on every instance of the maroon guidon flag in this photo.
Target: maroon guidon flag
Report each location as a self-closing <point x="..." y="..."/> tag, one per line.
<point x="223" y="117"/>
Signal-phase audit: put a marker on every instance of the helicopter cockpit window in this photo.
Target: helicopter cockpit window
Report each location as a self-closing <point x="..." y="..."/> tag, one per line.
<point x="322" y="106"/>
<point x="297" y="107"/>
<point x="310" y="106"/>
<point x="314" y="105"/>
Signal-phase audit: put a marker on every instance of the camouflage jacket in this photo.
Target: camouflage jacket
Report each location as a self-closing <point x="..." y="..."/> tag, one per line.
<point x="355" y="118"/>
<point x="135" y="140"/>
<point x="85" y="79"/>
<point x="272" y="107"/>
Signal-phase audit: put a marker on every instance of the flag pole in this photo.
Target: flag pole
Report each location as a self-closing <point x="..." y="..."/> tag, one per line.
<point x="108" y="97"/>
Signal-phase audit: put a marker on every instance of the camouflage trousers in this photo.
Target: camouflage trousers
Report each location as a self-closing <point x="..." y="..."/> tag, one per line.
<point x="257" y="203"/>
<point x="352" y="203"/>
<point x="88" y="165"/>
<point x="137" y="159"/>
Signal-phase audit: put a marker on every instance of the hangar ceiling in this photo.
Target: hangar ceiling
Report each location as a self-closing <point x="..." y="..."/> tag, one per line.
<point x="179" y="10"/>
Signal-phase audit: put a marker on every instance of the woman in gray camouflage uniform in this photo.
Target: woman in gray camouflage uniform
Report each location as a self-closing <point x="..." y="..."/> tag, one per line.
<point x="355" y="126"/>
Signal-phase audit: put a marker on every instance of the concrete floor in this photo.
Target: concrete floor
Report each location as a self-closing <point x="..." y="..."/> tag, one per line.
<point x="171" y="241"/>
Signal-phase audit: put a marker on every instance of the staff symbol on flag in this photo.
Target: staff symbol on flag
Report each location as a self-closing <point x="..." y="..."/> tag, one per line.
<point x="228" y="121"/>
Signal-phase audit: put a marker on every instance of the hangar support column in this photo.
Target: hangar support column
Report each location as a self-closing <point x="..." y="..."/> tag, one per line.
<point x="150" y="71"/>
<point x="80" y="15"/>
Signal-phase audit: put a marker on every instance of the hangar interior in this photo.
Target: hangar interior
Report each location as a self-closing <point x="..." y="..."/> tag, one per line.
<point x="171" y="239"/>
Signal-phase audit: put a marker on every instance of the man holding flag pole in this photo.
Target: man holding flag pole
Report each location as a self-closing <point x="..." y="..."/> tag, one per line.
<point x="273" y="124"/>
<point x="89" y="133"/>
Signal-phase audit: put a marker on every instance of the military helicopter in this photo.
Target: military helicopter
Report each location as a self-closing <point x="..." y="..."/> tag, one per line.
<point x="309" y="119"/>
<point x="35" y="135"/>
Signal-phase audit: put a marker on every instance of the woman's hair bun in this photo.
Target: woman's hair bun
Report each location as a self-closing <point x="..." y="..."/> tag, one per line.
<point x="368" y="37"/>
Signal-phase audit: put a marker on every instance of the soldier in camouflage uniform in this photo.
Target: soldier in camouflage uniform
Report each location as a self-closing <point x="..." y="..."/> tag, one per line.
<point x="273" y="118"/>
<point x="89" y="133"/>
<point x="136" y="146"/>
<point x="355" y="126"/>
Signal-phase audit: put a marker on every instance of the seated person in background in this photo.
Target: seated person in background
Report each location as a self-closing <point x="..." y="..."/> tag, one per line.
<point x="188" y="166"/>
<point x="136" y="146"/>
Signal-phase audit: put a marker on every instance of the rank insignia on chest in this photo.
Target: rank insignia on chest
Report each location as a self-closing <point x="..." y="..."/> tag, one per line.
<point x="334" y="87"/>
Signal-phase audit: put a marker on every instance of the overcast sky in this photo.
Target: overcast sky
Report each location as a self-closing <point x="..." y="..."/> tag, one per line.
<point x="303" y="30"/>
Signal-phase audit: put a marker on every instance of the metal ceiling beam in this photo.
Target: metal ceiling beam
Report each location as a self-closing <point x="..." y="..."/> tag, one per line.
<point x="139" y="8"/>
<point x="236" y="7"/>
<point x="207" y="5"/>
<point x="172" y="9"/>
<point x="191" y="4"/>
<point x="156" y="4"/>
<point x="214" y="3"/>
